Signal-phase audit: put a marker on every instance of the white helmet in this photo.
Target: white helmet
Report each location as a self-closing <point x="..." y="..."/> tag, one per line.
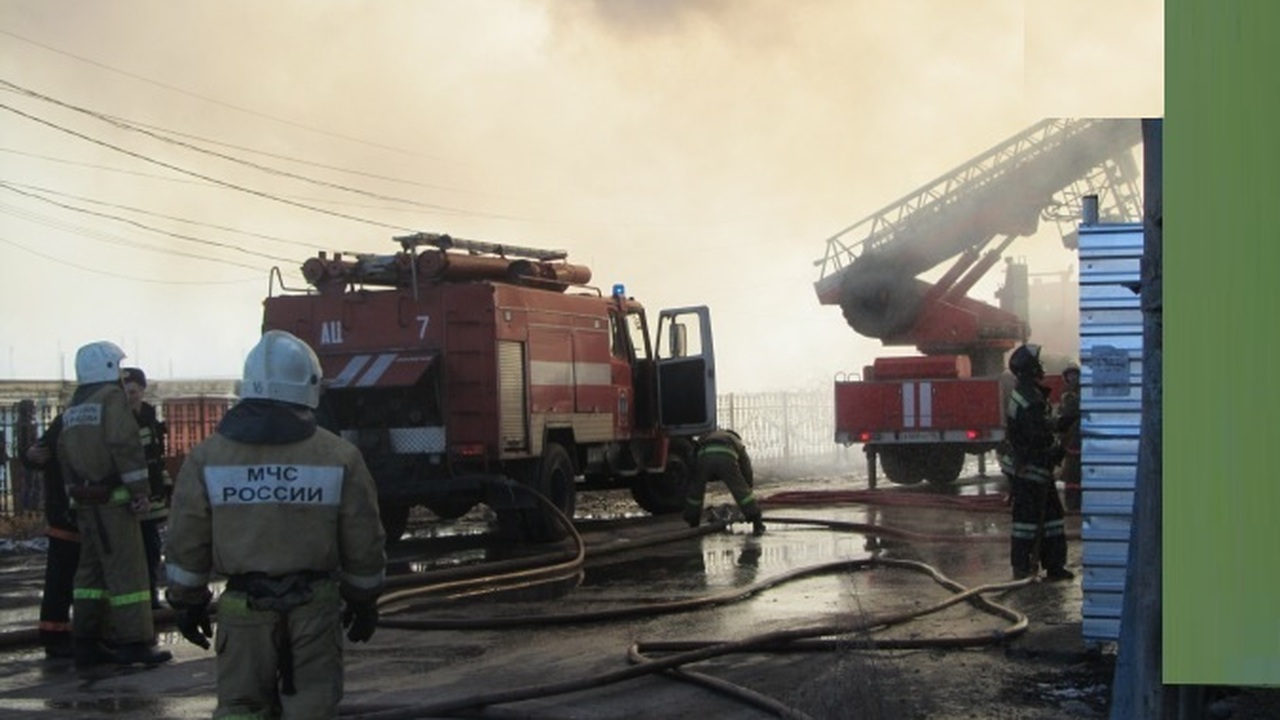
<point x="282" y="367"/>
<point x="98" y="362"/>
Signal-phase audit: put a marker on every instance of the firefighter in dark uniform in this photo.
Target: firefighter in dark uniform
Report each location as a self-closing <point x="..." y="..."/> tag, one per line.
<point x="1069" y="435"/>
<point x="1028" y="459"/>
<point x="64" y="545"/>
<point x="288" y="513"/>
<point x="151" y="432"/>
<point x="105" y="473"/>
<point x="723" y="456"/>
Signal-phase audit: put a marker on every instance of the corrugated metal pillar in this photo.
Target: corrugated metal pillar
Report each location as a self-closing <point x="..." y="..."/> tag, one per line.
<point x="1137" y="689"/>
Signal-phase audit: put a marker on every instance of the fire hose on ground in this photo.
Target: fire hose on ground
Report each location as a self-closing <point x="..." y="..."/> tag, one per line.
<point x="526" y="572"/>
<point x="825" y="637"/>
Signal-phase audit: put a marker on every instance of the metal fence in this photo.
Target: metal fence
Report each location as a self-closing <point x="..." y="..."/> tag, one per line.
<point x="785" y="429"/>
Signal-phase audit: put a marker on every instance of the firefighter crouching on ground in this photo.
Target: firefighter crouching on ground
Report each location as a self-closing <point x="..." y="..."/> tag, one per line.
<point x="1028" y="460"/>
<point x="288" y="513"/>
<point x="723" y="456"/>
<point x="1069" y="431"/>
<point x="105" y="471"/>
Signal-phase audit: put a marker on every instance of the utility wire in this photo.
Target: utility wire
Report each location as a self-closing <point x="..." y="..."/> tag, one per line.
<point x="133" y="278"/>
<point x="192" y="173"/>
<point x="143" y="226"/>
<point x="49" y="191"/>
<point x="129" y="125"/>
<point x="197" y="183"/>
<point x="214" y="101"/>
<point x="110" y="239"/>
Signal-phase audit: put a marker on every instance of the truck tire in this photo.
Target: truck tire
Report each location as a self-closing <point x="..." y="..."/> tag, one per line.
<point x="664" y="493"/>
<point x="943" y="465"/>
<point x="553" y="477"/>
<point x="902" y="465"/>
<point x="395" y="519"/>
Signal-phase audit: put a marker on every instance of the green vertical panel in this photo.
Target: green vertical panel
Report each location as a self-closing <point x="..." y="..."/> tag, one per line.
<point x="1221" y="560"/>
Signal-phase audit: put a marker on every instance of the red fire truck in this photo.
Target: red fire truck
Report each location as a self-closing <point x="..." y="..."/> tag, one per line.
<point x="921" y="415"/>
<point x="458" y="366"/>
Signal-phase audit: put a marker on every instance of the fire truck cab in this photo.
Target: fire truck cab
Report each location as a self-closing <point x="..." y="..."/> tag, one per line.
<point x="467" y="370"/>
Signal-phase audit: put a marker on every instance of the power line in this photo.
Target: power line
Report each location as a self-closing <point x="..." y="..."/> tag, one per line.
<point x="215" y="101"/>
<point x="143" y="226"/>
<point x="120" y="276"/>
<point x="132" y="126"/>
<point x="49" y="191"/>
<point x="192" y="173"/>
<point x="185" y="181"/>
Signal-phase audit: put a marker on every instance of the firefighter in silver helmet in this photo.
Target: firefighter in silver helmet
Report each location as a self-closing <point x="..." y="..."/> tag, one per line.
<point x="288" y="513"/>
<point x="1030" y="454"/>
<point x="105" y="471"/>
<point x="723" y="456"/>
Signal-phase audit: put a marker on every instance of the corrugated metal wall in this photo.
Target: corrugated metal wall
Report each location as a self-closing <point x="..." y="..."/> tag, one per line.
<point x="1111" y="415"/>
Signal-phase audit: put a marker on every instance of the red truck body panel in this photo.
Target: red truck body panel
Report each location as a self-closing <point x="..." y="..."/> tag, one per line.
<point x="887" y="411"/>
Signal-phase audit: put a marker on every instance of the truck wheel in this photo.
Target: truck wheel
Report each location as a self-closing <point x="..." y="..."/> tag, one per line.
<point x="943" y="465"/>
<point x="395" y="519"/>
<point x="664" y="493"/>
<point x="553" y="477"/>
<point x="901" y="465"/>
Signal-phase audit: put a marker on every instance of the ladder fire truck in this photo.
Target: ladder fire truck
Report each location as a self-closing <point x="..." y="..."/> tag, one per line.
<point x="920" y="415"/>
<point x="459" y="367"/>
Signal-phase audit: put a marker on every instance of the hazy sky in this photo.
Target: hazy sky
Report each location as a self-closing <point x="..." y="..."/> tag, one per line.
<point x="699" y="151"/>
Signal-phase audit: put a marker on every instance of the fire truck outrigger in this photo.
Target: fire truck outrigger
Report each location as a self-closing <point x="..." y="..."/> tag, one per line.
<point x="457" y="366"/>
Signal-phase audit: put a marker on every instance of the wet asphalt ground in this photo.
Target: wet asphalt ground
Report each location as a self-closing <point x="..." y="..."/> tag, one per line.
<point x="534" y="643"/>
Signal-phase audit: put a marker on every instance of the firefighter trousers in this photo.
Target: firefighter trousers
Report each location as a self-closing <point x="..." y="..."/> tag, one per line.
<point x="249" y="643"/>
<point x="112" y="590"/>
<point x="719" y="466"/>
<point x="1039" y="532"/>
<point x="59" y="591"/>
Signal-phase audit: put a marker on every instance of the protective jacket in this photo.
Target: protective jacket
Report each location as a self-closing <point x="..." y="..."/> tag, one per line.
<point x="57" y="506"/>
<point x="288" y="512"/>
<point x="105" y="470"/>
<point x="723" y="442"/>
<point x="272" y="497"/>
<point x="722" y="456"/>
<point x="1031" y="450"/>
<point x="1069" y="421"/>
<point x="98" y="450"/>
<point x="152" y="433"/>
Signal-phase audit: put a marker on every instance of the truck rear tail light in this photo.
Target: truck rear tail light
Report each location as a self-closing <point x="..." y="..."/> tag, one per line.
<point x="471" y="450"/>
<point x="972" y="434"/>
<point x="864" y="436"/>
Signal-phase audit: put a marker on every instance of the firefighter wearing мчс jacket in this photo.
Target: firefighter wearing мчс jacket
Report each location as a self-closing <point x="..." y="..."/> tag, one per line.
<point x="288" y="513"/>
<point x="1038" y="533"/>
<point x="105" y="472"/>
<point x="723" y="456"/>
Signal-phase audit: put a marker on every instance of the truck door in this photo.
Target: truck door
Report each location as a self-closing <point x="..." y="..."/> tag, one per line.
<point x="686" y="371"/>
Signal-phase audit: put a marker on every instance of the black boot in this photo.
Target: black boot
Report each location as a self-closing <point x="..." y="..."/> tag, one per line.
<point x="57" y="645"/>
<point x="757" y="527"/>
<point x="91" y="653"/>
<point x="1061" y="574"/>
<point x="141" y="654"/>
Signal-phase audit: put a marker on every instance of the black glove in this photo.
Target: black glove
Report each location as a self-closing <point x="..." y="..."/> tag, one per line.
<point x="360" y="617"/>
<point x="192" y="618"/>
